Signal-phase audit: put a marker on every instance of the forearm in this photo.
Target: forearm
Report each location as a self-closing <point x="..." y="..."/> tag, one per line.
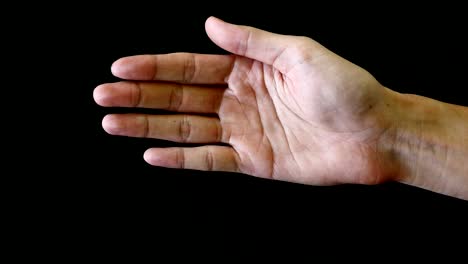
<point x="429" y="144"/>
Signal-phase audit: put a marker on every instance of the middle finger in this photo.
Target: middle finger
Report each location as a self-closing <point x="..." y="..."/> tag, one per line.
<point x="166" y="96"/>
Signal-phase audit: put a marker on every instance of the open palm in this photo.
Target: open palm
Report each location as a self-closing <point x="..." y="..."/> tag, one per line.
<point x="289" y="108"/>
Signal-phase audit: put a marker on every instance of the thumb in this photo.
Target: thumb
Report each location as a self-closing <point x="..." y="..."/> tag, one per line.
<point x="247" y="41"/>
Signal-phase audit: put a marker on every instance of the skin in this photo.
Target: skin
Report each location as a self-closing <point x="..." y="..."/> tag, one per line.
<point x="289" y="109"/>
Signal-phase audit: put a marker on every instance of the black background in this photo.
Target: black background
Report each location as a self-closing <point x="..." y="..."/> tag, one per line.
<point x="100" y="185"/>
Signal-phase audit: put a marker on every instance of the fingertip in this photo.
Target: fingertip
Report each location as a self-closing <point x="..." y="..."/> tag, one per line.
<point x="161" y="157"/>
<point x="100" y="95"/>
<point x="212" y="26"/>
<point x="118" y="67"/>
<point x="151" y="157"/>
<point x="222" y="33"/>
<point x="128" y="67"/>
<point x="147" y="156"/>
<point x="110" y="124"/>
<point x="211" y="20"/>
<point x="138" y="67"/>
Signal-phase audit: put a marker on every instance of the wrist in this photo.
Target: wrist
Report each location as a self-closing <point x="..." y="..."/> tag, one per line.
<point x="426" y="143"/>
<point x="403" y="139"/>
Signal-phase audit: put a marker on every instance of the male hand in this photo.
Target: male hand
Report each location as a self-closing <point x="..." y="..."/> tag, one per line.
<point x="289" y="108"/>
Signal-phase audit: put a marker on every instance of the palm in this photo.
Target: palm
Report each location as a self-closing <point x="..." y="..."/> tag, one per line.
<point x="279" y="133"/>
<point x="299" y="113"/>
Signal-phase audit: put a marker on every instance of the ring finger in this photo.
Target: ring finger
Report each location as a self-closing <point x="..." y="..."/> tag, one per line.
<point x="177" y="128"/>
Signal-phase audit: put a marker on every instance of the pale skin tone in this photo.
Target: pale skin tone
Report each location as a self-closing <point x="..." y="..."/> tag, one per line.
<point x="288" y="109"/>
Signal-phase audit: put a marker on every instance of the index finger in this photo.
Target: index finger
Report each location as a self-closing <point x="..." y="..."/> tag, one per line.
<point x="175" y="67"/>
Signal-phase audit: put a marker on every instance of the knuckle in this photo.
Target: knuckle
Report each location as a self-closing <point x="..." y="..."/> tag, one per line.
<point x="219" y="133"/>
<point x="185" y="129"/>
<point x="176" y="98"/>
<point x="137" y="97"/>
<point x="209" y="160"/>
<point x="146" y="127"/>
<point x="189" y="69"/>
<point x="180" y="158"/>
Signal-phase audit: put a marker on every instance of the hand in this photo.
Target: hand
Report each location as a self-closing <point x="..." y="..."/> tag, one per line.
<point x="289" y="108"/>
